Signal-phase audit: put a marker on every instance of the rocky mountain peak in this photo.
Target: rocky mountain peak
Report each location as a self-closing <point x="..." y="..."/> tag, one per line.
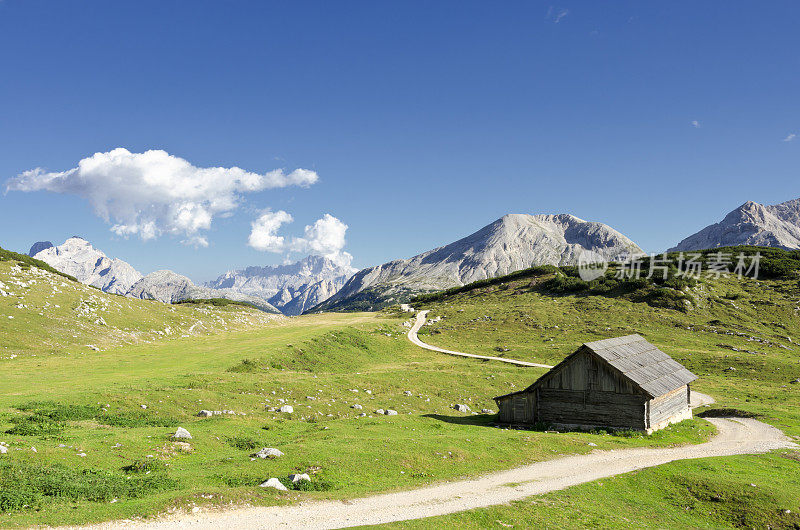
<point x="751" y="224"/>
<point x="38" y="247"/>
<point x="511" y="243"/>
<point x="79" y="258"/>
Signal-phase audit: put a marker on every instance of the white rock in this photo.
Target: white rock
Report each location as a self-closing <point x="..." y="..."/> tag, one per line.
<point x="3" y="449"/>
<point x="182" y="434"/>
<point x="269" y="452"/>
<point x="380" y="411"/>
<point x="274" y="483"/>
<point x="286" y="408"/>
<point x="357" y="406"/>
<point x="390" y="412"/>
<point x="487" y="411"/>
<point x="299" y="477"/>
<point x="461" y="407"/>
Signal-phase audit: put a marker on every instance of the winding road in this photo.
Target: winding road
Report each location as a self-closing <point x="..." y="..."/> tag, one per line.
<point x="421" y="318"/>
<point x="734" y="437"/>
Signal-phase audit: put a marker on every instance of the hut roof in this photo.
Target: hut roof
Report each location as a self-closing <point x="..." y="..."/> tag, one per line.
<point x="649" y="368"/>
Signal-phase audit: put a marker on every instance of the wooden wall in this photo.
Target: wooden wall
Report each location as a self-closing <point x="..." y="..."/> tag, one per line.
<point x="664" y="407"/>
<point x="591" y="407"/>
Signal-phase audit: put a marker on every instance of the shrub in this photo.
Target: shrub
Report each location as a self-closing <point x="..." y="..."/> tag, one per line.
<point x="145" y="466"/>
<point x="27" y="484"/>
<point x="36" y="425"/>
<point x="136" y="419"/>
<point x="245" y="443"/>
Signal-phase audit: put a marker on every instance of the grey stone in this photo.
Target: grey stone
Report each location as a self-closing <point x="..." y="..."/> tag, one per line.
<point x="274" y="483"/>
<point x="182" y="434"/>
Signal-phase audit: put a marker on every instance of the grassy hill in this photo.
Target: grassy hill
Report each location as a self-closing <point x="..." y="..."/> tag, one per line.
<point x="44" y="312"/>
<point x="84" y="413"/>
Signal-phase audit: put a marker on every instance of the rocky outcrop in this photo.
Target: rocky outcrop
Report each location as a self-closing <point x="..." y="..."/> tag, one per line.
<point x="751" y="224"/>
<point x="78" y="258"/>
<point x="38" y="247"/>
<point x="291" y="288"/>
<point x="514" y="242"/>
<point x="170" y="287"/>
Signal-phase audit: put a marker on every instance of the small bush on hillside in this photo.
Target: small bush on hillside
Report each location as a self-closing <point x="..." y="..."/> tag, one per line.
<point x="249" y="366"/>
<point x="23" y="484"/>
<point x="36" y="425"/>
<point x="565" y="284"/>
<point x="145" y="466"/>
<point x="315" y="484"/>
<point x="60" y="411"/>
<point x="136" y="419"/>
<point x="244" y="443"/>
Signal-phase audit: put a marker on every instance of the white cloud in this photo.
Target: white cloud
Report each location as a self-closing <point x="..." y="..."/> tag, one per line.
<point x="695" y="124"/>
<point x="556" y="14"/>
<point x="790" y="137"/>
<point x="326" y="237"/>
<point x="152" y="193"/>
<point x="264" y="230"/>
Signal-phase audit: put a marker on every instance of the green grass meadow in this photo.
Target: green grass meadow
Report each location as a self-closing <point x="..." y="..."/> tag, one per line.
<point x="89" y="430"/>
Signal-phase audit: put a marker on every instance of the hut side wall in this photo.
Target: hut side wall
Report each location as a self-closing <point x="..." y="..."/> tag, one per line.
<point x="517" y="408"/>
<point x="591" y="408"/>
<point x="665" y="407"/>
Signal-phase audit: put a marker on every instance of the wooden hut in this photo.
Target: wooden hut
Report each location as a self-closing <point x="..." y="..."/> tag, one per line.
<point x="620" y="383"/>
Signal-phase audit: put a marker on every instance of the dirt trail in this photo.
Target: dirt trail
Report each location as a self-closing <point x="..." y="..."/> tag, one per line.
<point x="412" y="336"/>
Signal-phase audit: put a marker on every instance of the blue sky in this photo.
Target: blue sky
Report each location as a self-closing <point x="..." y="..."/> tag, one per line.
<point x="423" y="121"/>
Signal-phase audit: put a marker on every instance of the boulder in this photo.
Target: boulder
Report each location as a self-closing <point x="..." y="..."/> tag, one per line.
<point x="3" y="449"/>
<point x="295" y="478"/>
<point x="274" y="483"/>
<point x="268" y="452"/>
<point x="461" y="407"/>
<point x="487" y="411"/>
<point x="182" y="434"/>
<point x="205" y="413"/>
<point x="380" y="411"/>
<point x="390" y="412"/>
<point x="357" y="406"/>
<point x="286" y="408"/>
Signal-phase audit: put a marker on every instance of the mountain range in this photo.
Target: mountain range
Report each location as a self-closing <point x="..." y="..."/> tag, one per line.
<point x="513" y="242"/>
<point x="751" y="224"/>
<point x="293" y="287"/>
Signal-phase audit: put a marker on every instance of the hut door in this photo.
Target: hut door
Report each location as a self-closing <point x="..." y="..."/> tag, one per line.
<point x="520" y="414"/>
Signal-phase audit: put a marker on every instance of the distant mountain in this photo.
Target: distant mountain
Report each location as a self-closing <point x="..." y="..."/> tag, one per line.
<point x="170" y="287"/>
<point x="38" y="247"/>
<point x="514" y="242"/>
<point x="751" y="224"/>
<point x="292" y="288"/>
<point x="78" y="258"/>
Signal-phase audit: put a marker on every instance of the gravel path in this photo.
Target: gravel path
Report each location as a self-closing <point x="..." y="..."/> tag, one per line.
<point x="735" y="436"/>
<point x="412" y="336"/>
